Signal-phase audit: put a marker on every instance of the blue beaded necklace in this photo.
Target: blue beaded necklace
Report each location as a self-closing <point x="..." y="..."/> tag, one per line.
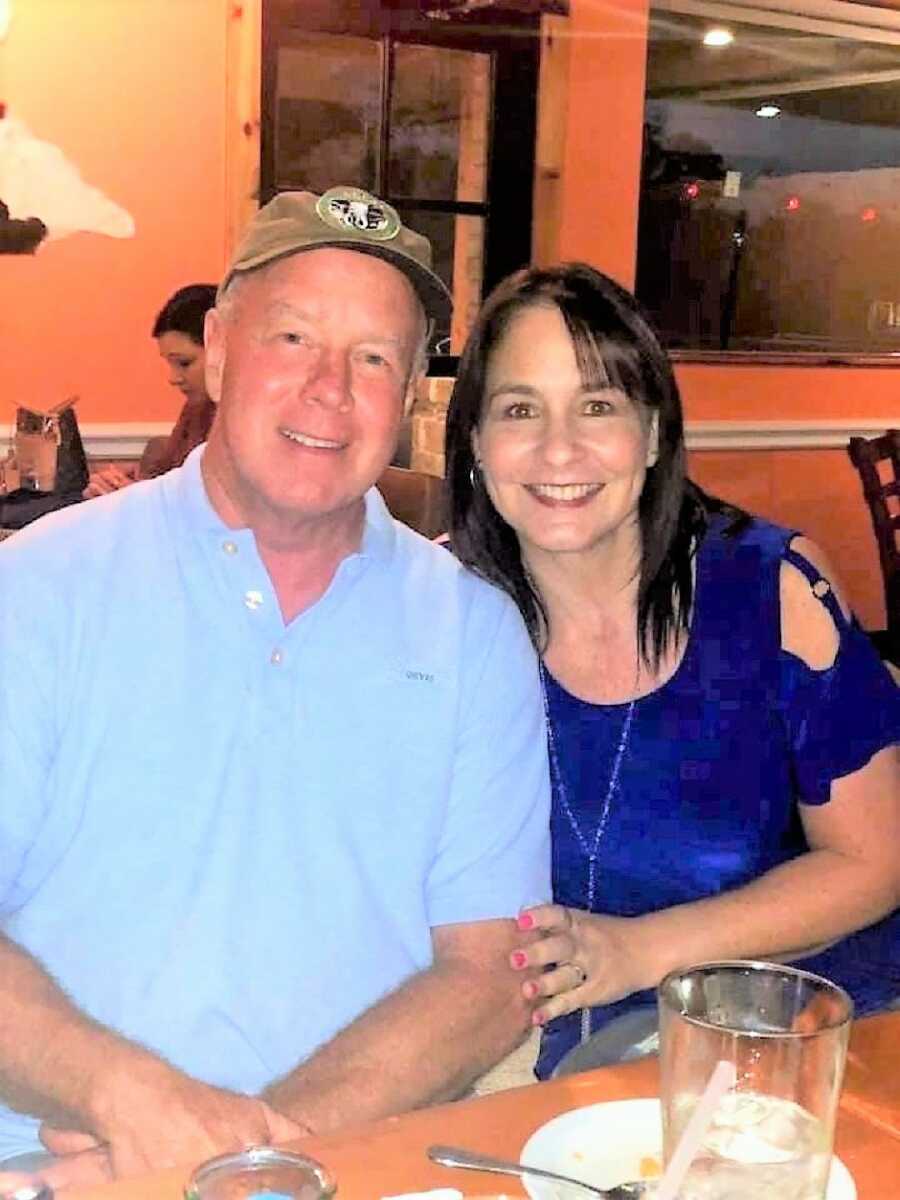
<point x="588" y="848"/>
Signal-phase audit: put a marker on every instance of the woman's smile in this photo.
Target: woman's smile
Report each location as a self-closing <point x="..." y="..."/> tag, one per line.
<point x="567" y="495"/>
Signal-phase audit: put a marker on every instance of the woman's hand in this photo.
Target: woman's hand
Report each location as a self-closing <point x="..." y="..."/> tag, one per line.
<point x="598" y="959"/>
<point x="109" y="479"/>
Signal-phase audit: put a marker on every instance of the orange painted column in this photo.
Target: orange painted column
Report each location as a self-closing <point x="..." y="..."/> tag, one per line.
<point x="602" y="164"/>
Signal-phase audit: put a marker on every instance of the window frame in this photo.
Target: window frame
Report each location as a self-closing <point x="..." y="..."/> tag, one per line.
<point x="513" y="42"/>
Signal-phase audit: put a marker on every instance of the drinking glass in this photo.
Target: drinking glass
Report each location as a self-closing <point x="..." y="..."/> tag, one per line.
<point x="26" y="1191"/>
<point x="786" y="1032"/>
<point x="260" y="1173"/>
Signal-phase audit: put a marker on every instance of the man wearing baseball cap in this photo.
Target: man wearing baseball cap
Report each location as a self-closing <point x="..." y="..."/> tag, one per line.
<point x="274" y="765"/>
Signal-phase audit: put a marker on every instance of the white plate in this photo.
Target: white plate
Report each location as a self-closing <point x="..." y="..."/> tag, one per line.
<point x="605" y="1144"/>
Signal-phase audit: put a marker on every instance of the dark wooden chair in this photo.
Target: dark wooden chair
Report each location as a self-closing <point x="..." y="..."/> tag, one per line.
<point x="414" y="498"/>
<point x="878" y="462"/>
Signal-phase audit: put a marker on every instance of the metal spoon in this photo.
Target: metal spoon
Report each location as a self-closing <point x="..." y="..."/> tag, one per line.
<point x="453" y="1156"/>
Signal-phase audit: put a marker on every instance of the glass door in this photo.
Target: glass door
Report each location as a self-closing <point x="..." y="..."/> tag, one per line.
<point x="437" y="118"/>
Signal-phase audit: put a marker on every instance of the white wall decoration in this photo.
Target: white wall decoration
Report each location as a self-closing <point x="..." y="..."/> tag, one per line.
<point x="37" y="180"/>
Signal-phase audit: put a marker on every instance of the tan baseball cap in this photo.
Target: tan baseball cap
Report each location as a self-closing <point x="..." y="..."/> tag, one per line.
<point x="345" y="217"/>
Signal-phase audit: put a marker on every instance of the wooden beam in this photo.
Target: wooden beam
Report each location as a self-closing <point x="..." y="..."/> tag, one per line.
<point x="242" y="117"/>
<point x="468" y="245"/>
<point x="549" y="156"/>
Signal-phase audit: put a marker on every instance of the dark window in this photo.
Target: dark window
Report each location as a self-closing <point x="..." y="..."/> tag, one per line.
<point x="435" y="114"/>
<point x="770" y="191"/>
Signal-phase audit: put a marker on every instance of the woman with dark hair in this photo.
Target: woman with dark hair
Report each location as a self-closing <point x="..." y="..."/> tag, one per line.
<point x="178" y="330"/>
<point x="722" y="737"/>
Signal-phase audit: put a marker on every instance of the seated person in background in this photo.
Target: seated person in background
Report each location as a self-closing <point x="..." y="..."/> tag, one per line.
<point x="178" y="330"/>
<point x="722" y="737"/>
<point x="272" y="889"/>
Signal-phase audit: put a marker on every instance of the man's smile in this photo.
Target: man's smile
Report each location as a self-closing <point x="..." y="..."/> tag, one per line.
<point x="306" y="439"/>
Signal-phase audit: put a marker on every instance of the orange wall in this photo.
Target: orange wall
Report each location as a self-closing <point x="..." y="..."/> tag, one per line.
<point x="815" y="490"/>
<point x="133" y="92"/>
<point x="601" y="168"/>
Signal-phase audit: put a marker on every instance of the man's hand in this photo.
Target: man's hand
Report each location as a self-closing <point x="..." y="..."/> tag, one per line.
<point x="147" y="1116"/>
<point x="111" y="1108"/>
<point x="74" y="1171"/>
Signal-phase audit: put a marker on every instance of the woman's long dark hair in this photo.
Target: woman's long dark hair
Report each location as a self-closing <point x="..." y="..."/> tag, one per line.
<point x="615" y="346"/>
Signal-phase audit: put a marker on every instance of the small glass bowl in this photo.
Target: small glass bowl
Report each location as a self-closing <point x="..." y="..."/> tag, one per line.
<point x="27" y="1191"/>
<point x="260" y="1173"/>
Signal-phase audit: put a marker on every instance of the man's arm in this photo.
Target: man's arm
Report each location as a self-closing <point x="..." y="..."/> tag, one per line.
<point x="58" y="1064"/>
<point x="440" y="1030"/>
<point x="424" y="1043"/>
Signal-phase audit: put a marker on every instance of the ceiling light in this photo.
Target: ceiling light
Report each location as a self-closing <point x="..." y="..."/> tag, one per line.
<point x="768" y="110"/>
<point x="718" y="37"/>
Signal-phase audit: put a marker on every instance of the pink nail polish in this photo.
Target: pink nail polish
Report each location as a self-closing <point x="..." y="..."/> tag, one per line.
<point x="525" y="921"/>
<point x="518" y="960"/>
<point x="537" y="1018"/>
<point x="530" y="990"/>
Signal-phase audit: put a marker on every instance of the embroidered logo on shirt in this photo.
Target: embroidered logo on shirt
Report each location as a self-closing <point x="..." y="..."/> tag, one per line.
<point x="420" y="676"/>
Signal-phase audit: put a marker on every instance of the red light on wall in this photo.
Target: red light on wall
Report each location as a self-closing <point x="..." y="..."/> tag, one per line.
<point x="869" y="214"/>
<point x="793" y="203"/>
<point x="691" y="191"/>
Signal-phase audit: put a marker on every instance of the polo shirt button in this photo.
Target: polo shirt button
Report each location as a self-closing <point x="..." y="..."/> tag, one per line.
<point x="276" y="658"/>
<point x="229" y="547"/>
<point x="253" y="600"/>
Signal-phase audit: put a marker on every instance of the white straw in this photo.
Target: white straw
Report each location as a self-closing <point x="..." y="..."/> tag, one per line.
<point x="722" y="1078"/>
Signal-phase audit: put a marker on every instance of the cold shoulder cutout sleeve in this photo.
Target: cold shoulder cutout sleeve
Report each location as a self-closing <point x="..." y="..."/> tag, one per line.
<point x="839" y="717"/>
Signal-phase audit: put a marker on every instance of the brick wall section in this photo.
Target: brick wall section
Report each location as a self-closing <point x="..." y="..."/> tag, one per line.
<point x="428" y="417"/>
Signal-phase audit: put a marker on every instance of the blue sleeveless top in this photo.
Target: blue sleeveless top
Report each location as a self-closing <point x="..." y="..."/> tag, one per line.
<point x="715" y="763"/>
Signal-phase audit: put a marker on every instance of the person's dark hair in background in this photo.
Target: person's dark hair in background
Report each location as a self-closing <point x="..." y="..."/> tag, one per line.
<point x="185" y="311"/>
<point x="178" y="330"/>
<point x="673" y="511"/>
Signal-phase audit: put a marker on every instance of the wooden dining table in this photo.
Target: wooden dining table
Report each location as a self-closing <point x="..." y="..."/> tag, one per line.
<point x="387" y="1158"/>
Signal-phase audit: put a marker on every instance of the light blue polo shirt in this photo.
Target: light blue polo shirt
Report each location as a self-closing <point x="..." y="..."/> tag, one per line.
<point x="226" y="837"/>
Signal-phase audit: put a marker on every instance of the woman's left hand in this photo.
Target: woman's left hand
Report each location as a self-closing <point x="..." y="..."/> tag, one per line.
<point x="595" y="960"/>
<point x="109" y="479"/>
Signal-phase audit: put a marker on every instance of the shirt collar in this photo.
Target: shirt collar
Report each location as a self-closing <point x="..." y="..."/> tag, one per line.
<point x="380" y="532"/>
<point x="193" y="503"/>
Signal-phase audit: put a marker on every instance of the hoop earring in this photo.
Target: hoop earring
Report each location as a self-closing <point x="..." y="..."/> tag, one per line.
<point x="473" y="476"/>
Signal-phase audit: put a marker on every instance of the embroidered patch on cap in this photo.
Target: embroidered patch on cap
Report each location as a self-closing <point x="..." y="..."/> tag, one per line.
<point x="353" y="209"/>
